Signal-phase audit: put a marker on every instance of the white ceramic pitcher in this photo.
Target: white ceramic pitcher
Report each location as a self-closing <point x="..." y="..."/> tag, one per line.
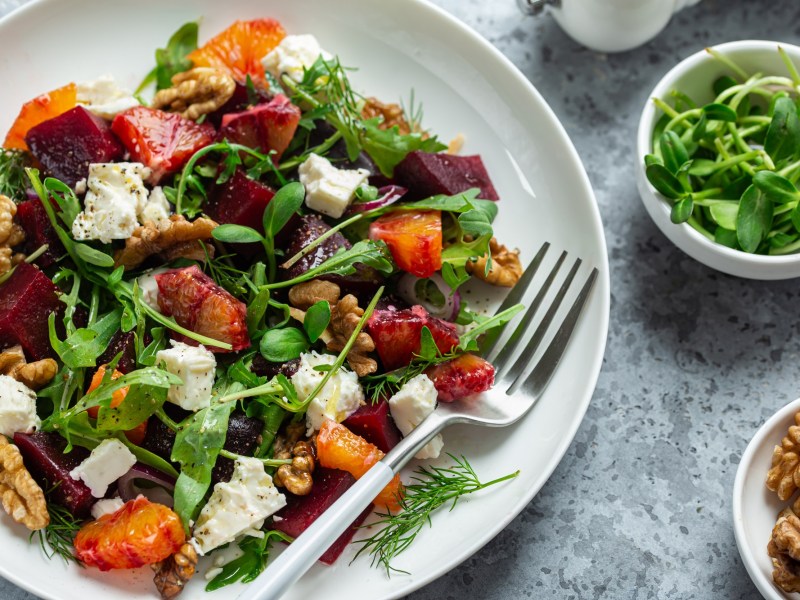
<point x="609" y="25"/>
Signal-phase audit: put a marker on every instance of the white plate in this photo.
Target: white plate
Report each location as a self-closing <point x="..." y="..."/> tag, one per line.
<point x="467" y="87"/>
<point x="755" y="508"/>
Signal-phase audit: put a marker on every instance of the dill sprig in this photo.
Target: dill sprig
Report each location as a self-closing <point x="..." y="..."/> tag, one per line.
<point x="13" y="180"/>
<point x="434" y="487"/>
<point x="57" y="538"/>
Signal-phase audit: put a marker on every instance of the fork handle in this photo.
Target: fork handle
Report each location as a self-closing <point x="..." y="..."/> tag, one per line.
<point x="304" y="551"/>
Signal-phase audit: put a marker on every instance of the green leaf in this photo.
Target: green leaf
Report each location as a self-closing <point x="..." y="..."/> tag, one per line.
<point x="140" y="403"/>
<point x="682" y="210"/>
<point x="428" y="350"/>
<point x="196" y="448"/>
<point x="257" y="309"/>
<point x="754" y="219"/>
<point x="777" y="188"/>
<point x="723" y="83"/>
<point x="783" y="134"/>
<point x="94" y="257"/>
<point x="285" y="203"/>
<point x="388" y="147"/>
<point x="699" y="130"/>
<point x="236" y="234"/>
<point x="664" y="181"/>
<point x="83" y="346"/>
<point x="372" y="253"/>
<point x="317" y="318"/>
<point x="172" y="59"/>
<point x="280" y="345"/>
<point x="724" y="214"/>
<point x="726" y="237"/>
<point x="491" y="327"/>
<point x="250" y="564"/>
<point x="719" y="112"/>
<point x="652" y="159"/>
<point x="673" y="151"/>
<point x="702" y="167"/>
<point x="454" y="276"/>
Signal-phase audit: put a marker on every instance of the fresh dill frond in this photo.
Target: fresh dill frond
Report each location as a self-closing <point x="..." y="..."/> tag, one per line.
<point x="434" y="487"/>
<point x="413" y="112"/>
<point x="57" y="538"/>
<point x="13" y="180"/>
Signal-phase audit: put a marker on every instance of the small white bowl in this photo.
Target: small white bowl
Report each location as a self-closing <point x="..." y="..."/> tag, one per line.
<point x="694" y="76"/>
<point x="755" y="508"/>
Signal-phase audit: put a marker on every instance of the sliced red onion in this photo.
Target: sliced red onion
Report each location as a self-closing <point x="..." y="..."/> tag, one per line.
<point x="388" y="194"/>
<point x="147" y="481"/>
<point x="413" y="290"/>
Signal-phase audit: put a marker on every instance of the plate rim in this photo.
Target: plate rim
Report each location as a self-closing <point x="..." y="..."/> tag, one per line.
<point x="471" y="37"/>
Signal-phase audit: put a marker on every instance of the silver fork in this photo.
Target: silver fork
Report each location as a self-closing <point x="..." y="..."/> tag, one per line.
<point x="518" y="385"/>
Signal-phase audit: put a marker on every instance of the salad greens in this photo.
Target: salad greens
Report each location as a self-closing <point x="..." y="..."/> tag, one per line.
<point x="729" y="167"/>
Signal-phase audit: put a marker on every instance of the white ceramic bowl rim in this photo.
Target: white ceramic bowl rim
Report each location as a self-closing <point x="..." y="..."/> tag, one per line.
<point x="644" y="145"/>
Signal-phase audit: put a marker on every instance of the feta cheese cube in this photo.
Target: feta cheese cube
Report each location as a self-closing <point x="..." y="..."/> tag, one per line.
<point x="293" y="56"/>
<point x="115" y="197"/>
<point x="340" y="398"/>
<point x="195" y="366"/>
<point x="329" y="190"/>
<point x="409" y="407"/>
<point x="17" y="407"/>
<point x="238" y="507"/>
<point x="106" y="507"/>
<point x="104" y="97"/>
<point x="148" y="286"/>
<point x="107" y="463"/>
<point x="156" y="208"/>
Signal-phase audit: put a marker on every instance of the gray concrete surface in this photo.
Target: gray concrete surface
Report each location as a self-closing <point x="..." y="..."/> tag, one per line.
<point x="640" y="506"/>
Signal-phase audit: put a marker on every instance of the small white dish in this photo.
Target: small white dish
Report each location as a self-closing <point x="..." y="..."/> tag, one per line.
<point x="694" y="76"/>
<point x="755" y="508"/>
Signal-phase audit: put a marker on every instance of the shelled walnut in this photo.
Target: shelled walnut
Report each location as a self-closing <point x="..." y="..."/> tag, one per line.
<point x="171" y="238"/>
<point x="297" y="476"/>
<point x="784" y="549"/>
<point x="35" y="375"/>
<point x="345" y="315"/>
<point x="506" y="268"/>
<point x="784" y="476"/>
<point x="196" y="92"/>
<point x="11" y="234"/>
<point x="392" y="115"/>
<point x="172" y="574"/>
<point x="21" y="496"/>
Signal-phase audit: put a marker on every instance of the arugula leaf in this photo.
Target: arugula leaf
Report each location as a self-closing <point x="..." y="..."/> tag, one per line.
<point x="388" y="147"/>
<point x="140" y="403"/>
<point x="251" y="563"/>
<point x="172" y="59"/>
<point x="196" y="448"/>
<point x="83" y="346"/>
<point x="280" y="345"/>
<point x="317" y="318"/>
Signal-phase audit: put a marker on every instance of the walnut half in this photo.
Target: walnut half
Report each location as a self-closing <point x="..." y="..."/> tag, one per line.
<point x="784" y="549"/>
<point x="196" y="92"/>
<point x="171" y="238"/>
<point x="506" y="267"/>
<point x="11" y="234"/>
<point x="21" y="496"/>
<point x="297" y="476"/>
<point x="35" y="375"/>
<point x="173" y="573"/>
<point x="784" y="476"/>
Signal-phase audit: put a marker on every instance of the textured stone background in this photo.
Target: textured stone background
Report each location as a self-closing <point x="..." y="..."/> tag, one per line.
<point x="640" y="506"/>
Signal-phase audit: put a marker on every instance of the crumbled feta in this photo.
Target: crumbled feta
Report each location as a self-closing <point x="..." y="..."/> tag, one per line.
<point x="107" y="463"/>
<point x="195" y="366"/>
<point x="115" y="197"/>
<point x="104" y="97"/>
<point x="156" y="208"/>
<point x="148" y="286"/>
<point x="340" y="398"/>
<point x="106" y="507"/>
<point x="238" y="506"/>
<point x="329" y="190"/>
<point x="17" y="407"/>
<point x="293" y="56"/>
<point x="410" y="405"/>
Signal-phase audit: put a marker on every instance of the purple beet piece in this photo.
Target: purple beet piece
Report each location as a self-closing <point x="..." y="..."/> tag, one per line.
<point x="374" y="423"/>
<point x="39" y="231"/>
<point x="67" y="144"/>
<point x="26" y="301"/>
<point x="242" y="438"/>
<point x="263" y="368"/>
<point x="239" y="101"/>
<point x="43" y="455"/>
<point x="426" y="174"/>
<point x="301" y="511"/>
<point x="363" y="283"/>
<point x="240" y="200"/>
<point x="121" y="342"/>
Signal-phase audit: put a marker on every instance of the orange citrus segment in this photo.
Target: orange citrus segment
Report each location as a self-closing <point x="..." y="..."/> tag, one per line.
<point x="240" y="48"/>
<point x="340" y="448"/>
<point x="40" y="109"/>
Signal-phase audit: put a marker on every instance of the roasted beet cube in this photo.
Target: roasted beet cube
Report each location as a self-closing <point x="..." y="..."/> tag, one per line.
<point x="426" y="174"/>
<point x="124" y="343"/>
<point x="263" y="368"/>
<point x="69" y="143"/>
<point x="44" y="457"/>
<point x="26" y="301"/>
<point x="374" y="423"/>
<point x="240" y="200"/>
<point x="397" y="334"/>
<point x="265" y="127"/>
<point x="301" y="511"/>
<point x="242" y="438"/>
<point x="242" y="99"/>
<point x="159" y="438"/>
<point x="39" y="231"/>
